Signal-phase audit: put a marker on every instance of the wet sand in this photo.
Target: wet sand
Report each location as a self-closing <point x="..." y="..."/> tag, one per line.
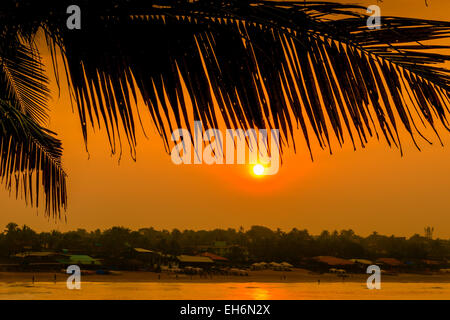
<point x="267" y="276"/>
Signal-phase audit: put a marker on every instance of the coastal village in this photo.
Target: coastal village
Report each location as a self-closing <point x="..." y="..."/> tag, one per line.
<point x="219" y="253"/>
<point x="208" y="261"/>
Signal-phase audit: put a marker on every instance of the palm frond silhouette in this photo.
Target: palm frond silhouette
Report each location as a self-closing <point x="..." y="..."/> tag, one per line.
<point x="30" y="155"/>
<point x="311" y="65"/>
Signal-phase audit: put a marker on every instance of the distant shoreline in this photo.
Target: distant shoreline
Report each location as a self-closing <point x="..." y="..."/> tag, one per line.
<point x="295" y="276"/>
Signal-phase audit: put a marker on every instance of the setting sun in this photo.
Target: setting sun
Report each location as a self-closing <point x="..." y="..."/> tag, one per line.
<point x="258" y="169"/>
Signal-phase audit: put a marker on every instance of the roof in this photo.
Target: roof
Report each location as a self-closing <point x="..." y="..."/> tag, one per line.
<point x="213" y="256"/>
<point x="194" y="259"/>
<point x="286" y="264"/>
<point x="140" y="250"/>
<point x="82" y="259"/>
<point x="36" y="254"/>
<point x="390" y="261"/>
<point x="333" y="261"/>
<point x="361" y="261"/>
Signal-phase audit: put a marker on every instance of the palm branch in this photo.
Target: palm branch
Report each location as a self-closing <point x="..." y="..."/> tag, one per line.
<point x="30" y="160"/>
<point x="311" y="65"/>
<point x="30" y="155"/>
<point x="22" y="78"/>
<point x="307" y="65"/>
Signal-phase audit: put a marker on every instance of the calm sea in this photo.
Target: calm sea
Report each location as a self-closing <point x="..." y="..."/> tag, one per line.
<point x="227" y="291"/>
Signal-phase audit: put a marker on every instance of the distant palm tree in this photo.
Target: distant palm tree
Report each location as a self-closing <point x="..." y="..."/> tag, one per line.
<point x="266" y="64"/>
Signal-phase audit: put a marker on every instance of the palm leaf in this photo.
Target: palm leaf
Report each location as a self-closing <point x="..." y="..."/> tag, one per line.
<point x="313" y="65"/>
<point x="267" y="64"/>
<point x="22" y="78"/>
<point x="30" y="155"/>
<point x="30" y="160"/>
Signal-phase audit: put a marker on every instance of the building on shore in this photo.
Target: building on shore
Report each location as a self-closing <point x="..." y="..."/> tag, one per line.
<point x="328" y="263"/>
<point x="149" y="259"/>
<point x="38" y="261"/>
<point x="214" y="257"/>
<point x="81" y="260"/>
<point x="232" y="252"/>
<point x="194" y="261"/>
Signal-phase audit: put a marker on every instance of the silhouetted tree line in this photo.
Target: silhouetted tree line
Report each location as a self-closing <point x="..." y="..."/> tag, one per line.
<point x="256" y="244"/>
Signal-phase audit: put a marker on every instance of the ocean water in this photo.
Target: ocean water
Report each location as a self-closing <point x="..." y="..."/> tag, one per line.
<point x="225" y="290"/>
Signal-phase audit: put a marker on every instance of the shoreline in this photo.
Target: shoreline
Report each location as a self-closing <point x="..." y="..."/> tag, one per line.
<point x="267" y="276"/>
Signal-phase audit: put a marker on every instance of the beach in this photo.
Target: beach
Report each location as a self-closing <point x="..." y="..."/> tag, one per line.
<point x="266" y="276"/>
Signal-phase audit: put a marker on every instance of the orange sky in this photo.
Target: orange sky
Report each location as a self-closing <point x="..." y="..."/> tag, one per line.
<point x="368" y="190"/>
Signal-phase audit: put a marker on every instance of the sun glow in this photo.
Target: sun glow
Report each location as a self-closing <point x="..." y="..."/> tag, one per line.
<point x="258" y="169"/>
